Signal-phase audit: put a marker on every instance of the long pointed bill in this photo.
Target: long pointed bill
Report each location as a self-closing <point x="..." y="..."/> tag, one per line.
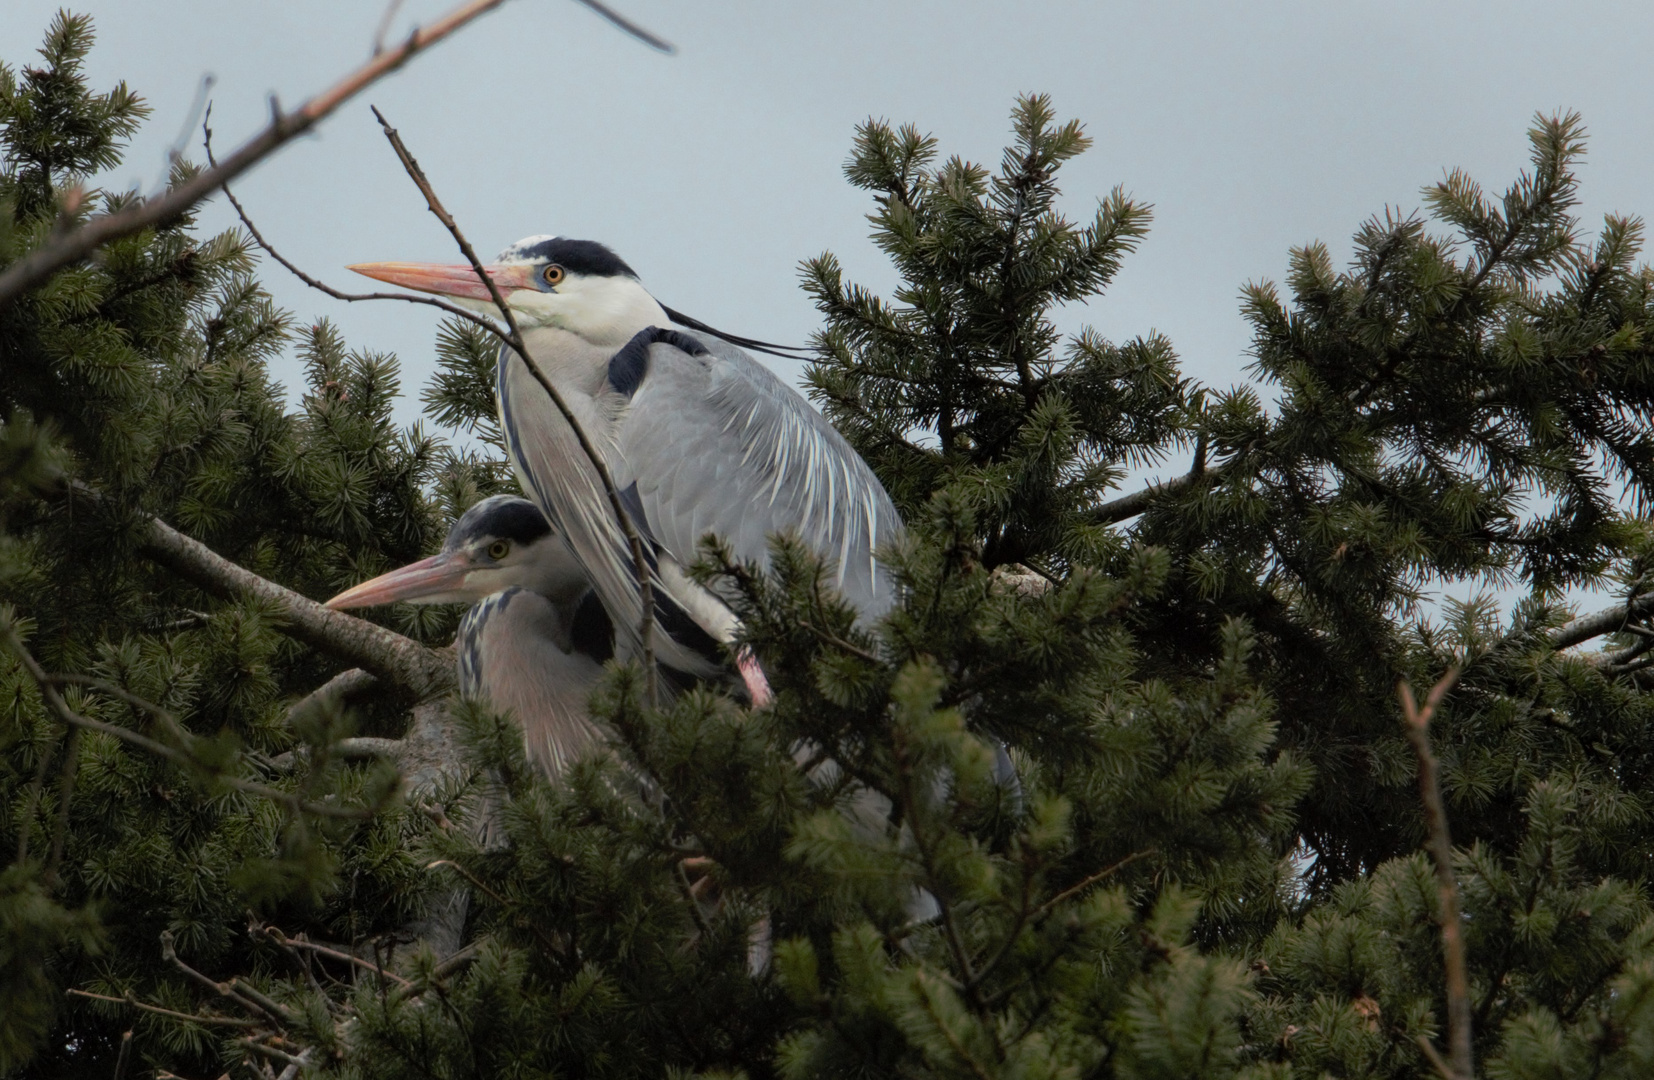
<point x="459" y="281"/>
<point x="432" y="580"/>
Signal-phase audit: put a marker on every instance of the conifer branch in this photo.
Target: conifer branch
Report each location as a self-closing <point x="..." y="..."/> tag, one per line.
<point x="1608" y="621"/>
<point x="346" y="684"/>
<point x="70" y="247"/>
<point x="32" y="804"/>
<point x="514" y="339"/>
<point x="1129" y="506"/>
<point x="47" y="684"/>
<point x="1417" y="722"/>
<point x="316" y="283"/>
<point x="421" y="672"/>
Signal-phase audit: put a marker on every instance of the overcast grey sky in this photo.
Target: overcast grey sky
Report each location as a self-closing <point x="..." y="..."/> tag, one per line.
<point x="1250" y="127"/>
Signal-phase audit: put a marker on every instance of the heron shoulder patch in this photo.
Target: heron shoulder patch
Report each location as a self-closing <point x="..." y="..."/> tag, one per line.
<point x="590" y="631"/>
<point x="629" y="366"/>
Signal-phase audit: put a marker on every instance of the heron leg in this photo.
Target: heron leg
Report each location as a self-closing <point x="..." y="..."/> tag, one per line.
<point x="758" y="687"/>
<point x="760" y="947"/>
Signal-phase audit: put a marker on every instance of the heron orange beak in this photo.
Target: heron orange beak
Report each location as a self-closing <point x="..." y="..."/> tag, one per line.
<point x="439" y="579"/>
<point x="448" y="280"/>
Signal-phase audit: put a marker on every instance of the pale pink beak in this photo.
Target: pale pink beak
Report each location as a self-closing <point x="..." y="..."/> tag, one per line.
<point x="432" y="580"/>
<point x="448" y="280"/>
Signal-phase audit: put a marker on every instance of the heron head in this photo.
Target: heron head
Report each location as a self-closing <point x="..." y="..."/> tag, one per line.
<point x="575" y="285"/>
<point x="500" y="542"/>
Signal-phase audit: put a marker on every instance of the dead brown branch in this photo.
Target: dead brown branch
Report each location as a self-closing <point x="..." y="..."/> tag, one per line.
<point x="1417" y="722"/>
<point x="72" y="246"/>
<point x="514" y="338"/>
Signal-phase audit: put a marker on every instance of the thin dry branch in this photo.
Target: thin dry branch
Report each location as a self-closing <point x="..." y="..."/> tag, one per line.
<point x="1441" y="851"/>
<point x="234" y="990"/>
<point x="630" y="27"/>
<point x="320" y="285"/>
<point x="219" y="1021"/>
<point x="1608" y="621"/>
<point x="334" y="954"/>
<point x="1074" y="890"/>
<point x="640" y="564"/>
<point x="125" y="1057"/>
<point x="71" y="246"/>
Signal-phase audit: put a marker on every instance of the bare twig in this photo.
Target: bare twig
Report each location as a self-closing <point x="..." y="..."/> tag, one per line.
<point x="1081" y="886"/>
<point x="293" y="1061"/>
<point x="1441" y="851"/>
<point x="631" y="27"/>
<point x="833" y="639"/>
<point x="194" y="1018"/>
<point x="125" y="1054"/>
<point x="1433" y="1055"/>
<point x="233" y="990"/>
<point x="322" y="286"/>
<point x="322" y="950"/>
<point x="77" y="244"/>
<point x="472" y="878"/>
<point x="640" y="564"/>
<point x="385" y="26"/>
<point x="199" y="102"/>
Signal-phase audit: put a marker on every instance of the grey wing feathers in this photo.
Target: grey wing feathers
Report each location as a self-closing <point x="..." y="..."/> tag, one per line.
<point x="718" y="444"/>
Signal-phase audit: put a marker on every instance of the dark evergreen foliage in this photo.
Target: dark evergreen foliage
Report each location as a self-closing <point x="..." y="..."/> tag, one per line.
<point x="1208" y="861"/>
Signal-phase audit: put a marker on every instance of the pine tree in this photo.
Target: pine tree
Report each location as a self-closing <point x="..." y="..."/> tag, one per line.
<point x="1209" y="862"/>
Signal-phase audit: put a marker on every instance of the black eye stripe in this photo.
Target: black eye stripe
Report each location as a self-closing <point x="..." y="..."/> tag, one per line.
<point x="577" y="257"/>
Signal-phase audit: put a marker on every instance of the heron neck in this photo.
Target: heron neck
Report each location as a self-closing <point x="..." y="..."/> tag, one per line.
<point x="571" y="361"/>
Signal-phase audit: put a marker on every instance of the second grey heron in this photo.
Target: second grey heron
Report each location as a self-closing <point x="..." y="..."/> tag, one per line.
<point x="698" y="436"/>
<point x="536" y="638"/>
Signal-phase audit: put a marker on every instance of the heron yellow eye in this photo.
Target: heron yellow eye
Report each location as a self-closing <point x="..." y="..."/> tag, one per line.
<point x="553" y="274"/>
<point x="499" y="549"/>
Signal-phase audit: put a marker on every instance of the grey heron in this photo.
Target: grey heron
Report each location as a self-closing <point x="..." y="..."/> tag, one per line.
<point x="534" y="641"/>
<point x="699" y="438"/>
